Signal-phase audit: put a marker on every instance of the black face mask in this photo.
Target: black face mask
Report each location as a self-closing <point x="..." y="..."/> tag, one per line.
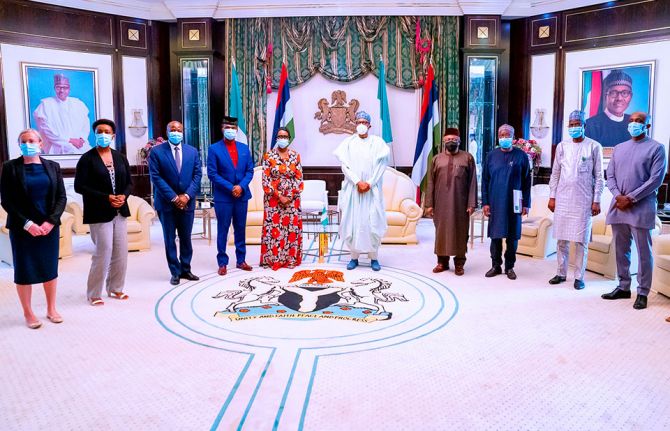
<point x="452" y="147"/>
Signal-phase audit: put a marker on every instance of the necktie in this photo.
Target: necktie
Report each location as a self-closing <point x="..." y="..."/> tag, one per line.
<point x="177" y="159"/>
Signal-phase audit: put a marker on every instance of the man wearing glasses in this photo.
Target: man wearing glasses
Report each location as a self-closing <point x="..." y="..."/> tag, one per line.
<point x="610" y="126"/>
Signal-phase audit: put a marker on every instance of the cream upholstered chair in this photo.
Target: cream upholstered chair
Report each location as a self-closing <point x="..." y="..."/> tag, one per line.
<point x="402" y="211"/>
<point x="139" y="224"/>
<point x="255" y="210"/>
<point x="314" y="196"/>
<point x="64" y="242"/>
<point x="660" y="282"/>
<point x="602" y="257"/>
<point x="74" y="206"/>
<point x="537" y="230"/>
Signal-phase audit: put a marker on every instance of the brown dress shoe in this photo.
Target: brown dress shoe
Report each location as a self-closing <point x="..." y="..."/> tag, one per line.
<point x="244" y="266"/>
<point x="459" y="270"/>
<point x="438" y="268"/>
<point x="668" y="319"/>
<point x="223" y="270"/>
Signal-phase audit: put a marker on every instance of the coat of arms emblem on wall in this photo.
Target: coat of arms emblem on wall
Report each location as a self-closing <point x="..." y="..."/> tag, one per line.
<point x="338" y="116"/>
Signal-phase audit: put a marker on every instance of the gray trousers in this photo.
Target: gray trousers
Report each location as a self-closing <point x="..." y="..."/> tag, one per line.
<point x="110" y="258"/>
<point x="623" y="234"/>
<point x="355" y="254"/>
<point x="563" y="258"/>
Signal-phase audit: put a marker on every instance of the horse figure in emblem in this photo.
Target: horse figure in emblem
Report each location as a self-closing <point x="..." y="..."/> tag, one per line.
<point x="255" y="291"/>
<point x="376" y="288"/>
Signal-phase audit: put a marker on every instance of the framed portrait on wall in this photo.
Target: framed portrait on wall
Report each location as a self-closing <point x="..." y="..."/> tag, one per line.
<point x="609" y="94"/>
<point x="61" y="103"/>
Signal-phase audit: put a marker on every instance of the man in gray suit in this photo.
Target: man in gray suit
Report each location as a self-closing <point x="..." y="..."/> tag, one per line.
<point x="634" y="175"/>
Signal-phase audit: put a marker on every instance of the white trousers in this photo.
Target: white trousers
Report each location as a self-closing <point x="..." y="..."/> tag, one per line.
<point x="563" y="257"/>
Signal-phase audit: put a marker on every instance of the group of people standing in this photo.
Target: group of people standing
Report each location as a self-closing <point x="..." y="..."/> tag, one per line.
<point x="635" y="172"/>
<point x="33" y="194"/>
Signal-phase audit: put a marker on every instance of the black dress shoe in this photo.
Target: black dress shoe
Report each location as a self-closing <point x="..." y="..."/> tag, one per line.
<point x="174" y="280"/>
<point x="557" y="280"/>
<point x="616" y="294"/>
<point x="579" y="284"/>
<point x="496" y="270"/>
<point x="189" y="276"/>
<point x="511" y="274"/>
<point x="640" y="302"/>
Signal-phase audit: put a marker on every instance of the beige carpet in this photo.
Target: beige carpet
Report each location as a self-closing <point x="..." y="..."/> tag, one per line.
<point x="461" y="353"/>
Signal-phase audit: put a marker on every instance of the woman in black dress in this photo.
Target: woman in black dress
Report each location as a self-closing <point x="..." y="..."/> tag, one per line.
<point x="33" y="194"/>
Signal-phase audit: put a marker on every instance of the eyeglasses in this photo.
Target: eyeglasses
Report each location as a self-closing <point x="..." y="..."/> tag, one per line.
<point x="623" y="93"/>
<point x="446" y="141"/>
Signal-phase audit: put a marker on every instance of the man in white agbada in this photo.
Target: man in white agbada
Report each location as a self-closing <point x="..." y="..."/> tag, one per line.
<point x="63" y="121"/>
<point x="363" y="219"/>
<point x="576" y="186"/>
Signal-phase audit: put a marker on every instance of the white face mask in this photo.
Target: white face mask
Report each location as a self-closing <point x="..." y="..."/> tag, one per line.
<point x="361" y="129"/>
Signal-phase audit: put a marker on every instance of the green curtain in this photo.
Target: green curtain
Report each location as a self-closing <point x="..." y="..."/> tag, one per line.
<point x="342" y="49"/>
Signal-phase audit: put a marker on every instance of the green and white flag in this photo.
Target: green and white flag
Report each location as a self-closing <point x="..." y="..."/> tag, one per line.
<point x="235" y="107"/>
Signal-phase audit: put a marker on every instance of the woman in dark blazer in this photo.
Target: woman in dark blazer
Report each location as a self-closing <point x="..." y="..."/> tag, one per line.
<point x="103" y="179"/>
<point x="33" y="194"/>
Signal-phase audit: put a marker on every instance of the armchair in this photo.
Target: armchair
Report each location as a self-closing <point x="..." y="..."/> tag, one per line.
<point x="660" y="282"/>
<point x="537" y="233"/>
<point x="402" y="211"/>
<point x="139" y="224"/>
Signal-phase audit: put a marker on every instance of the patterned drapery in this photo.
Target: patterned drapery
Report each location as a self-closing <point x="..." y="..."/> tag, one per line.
<point x="342" y="49"/>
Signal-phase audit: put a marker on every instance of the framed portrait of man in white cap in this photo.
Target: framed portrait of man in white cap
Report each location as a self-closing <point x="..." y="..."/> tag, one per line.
<point x="61" y="103"/>
<point x="609" y="94"/>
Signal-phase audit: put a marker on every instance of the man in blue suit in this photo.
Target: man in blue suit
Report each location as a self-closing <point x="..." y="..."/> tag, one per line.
<point x="230" y="170"/>
<point x="175" y="174"/>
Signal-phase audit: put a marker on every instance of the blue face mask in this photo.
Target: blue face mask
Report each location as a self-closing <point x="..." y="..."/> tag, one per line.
<point x="636" y="129"/>
<point x="282" y="143"/>
<point x="505" y="143"/>
<point x="29" y="149"/>
<point x="103" y="140"/>
<point x="230" y="134"/>
<point x="576" y="132"/>
<point x="175" y="138"/>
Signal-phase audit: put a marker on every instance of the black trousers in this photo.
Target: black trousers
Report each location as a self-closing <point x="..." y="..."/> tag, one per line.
<point x="510" y="252"/>
<point x="458" y="260"/>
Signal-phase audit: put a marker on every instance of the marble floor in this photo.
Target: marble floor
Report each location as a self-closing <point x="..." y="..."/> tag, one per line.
<point x="323" y="348"/>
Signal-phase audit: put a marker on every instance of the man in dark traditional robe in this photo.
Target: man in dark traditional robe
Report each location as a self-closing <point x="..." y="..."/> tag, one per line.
<point x="506" y="182"/>
<point x="610" y="127"/>
<point x="451" y="198"/>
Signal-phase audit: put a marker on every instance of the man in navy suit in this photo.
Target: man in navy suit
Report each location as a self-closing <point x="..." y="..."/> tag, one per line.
<point x="230" y="170"/>
<point x="175" y="174"/>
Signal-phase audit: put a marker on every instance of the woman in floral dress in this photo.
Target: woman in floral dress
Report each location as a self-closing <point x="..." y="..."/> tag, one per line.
<point x="281" y="243"/>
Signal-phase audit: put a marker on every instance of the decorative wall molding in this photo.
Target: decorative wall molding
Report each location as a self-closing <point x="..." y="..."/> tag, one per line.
<point x="482" y="32"/>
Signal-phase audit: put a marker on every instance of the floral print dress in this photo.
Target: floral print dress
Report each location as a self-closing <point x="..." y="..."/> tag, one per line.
<point x="281" y="241"/>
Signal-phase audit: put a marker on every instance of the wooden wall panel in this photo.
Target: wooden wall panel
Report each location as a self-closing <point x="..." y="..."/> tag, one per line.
<point x="37" y="22"/>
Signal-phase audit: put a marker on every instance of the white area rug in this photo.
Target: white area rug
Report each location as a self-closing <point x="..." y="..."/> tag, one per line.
<point x="497" y="354"/>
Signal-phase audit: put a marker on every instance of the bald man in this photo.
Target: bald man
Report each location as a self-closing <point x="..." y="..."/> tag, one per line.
<point x="175" y="174"/>
<point x="635" y="172"/>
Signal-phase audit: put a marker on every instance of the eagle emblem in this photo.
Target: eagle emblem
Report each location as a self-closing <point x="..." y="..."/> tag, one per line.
<point x="338" y="116"/>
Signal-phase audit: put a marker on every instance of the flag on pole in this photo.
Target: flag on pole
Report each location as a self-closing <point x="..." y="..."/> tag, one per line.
<point x="235" y="108"/>
<point x="384" y="114"/>
<point x="593" y="82"/>
<point x="429" y="129"/>
<point x="284" y="112"/>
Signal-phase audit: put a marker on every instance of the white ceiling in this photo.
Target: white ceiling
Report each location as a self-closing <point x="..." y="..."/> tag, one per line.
<point x="172" y="9"/>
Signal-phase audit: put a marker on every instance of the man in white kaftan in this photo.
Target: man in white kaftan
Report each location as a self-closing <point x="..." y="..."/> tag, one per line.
<point x="576" y="185"/>
<point x="63" y="121"/>
<point x="364" y="158"/>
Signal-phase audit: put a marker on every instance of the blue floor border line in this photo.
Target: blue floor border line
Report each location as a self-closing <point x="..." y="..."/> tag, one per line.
<point x="258" y="385"/>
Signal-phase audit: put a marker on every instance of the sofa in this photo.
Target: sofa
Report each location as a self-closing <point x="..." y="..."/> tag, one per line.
<point x="660" y="282"/>
<point x="402" y="211"/>
<point x="64" y="243"/>
<point x="74" y="206"/>
<point x="537" y="233"/>
<point x="139" y="224"/>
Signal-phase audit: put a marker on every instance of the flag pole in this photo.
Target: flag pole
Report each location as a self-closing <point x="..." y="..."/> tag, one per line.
<point x="393" y="161"/>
